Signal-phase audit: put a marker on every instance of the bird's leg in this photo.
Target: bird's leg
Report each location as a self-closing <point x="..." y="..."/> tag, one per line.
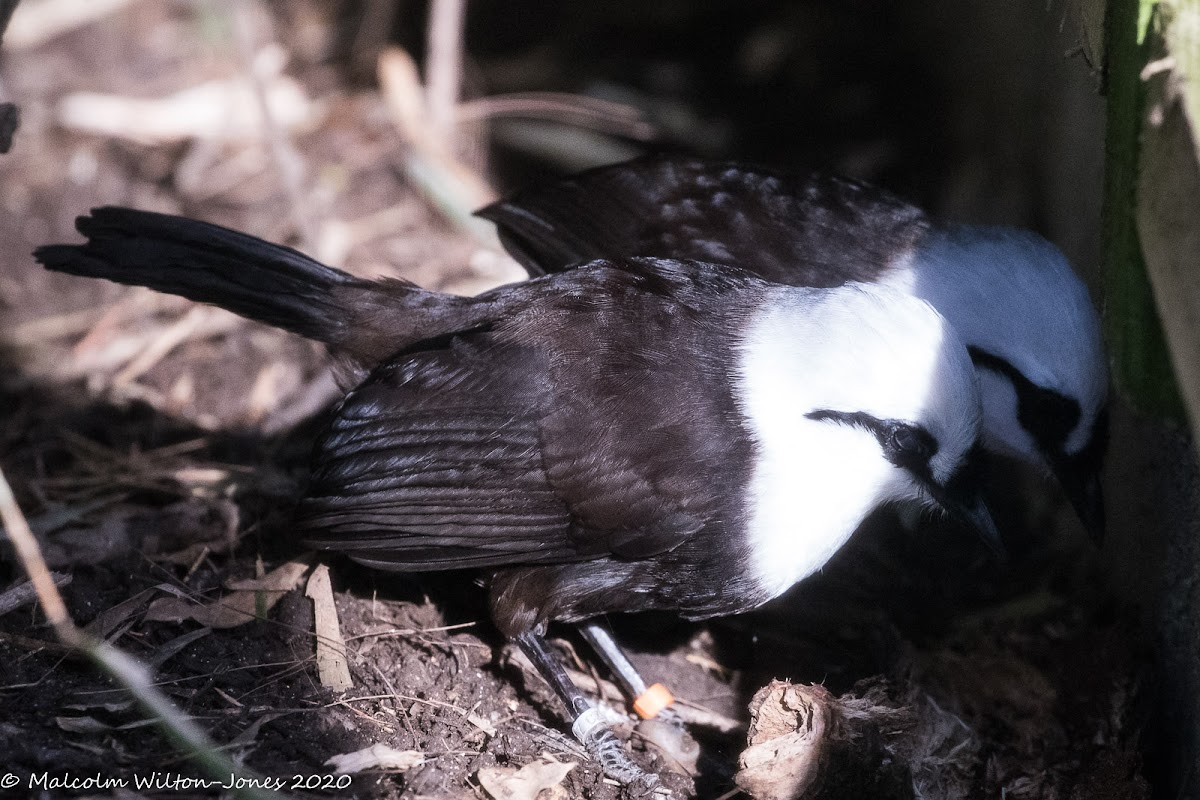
<point x="587" y="721"/>
<point x="648" y="702"/>
<point x="654" y="703"/>
<point x="629" y="679"/>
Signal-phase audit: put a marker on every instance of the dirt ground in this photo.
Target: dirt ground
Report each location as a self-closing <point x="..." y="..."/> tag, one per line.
<point x="152" y="473"/>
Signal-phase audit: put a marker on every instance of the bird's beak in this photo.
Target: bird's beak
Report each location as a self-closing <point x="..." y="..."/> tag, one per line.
<point x="962" y="498"/>
<point x="1081" y="484"/>
<point x="971" y="510"/>
<point x="979" y="518"/>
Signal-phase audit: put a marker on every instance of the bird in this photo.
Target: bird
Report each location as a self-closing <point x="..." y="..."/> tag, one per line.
<point x="634" y="434"/>
<point x="1026" y="317"/>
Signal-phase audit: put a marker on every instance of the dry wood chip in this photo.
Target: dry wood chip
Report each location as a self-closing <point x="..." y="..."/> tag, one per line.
<point x="332" y="668"/>
<point x="527" y="783"/>
<point x="377" y="756"/>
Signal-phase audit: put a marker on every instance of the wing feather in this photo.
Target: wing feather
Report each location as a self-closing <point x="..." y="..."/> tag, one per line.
<point x="566" y="433"/>
<point x="405" y="480"/>
<point x="804" y="230"/>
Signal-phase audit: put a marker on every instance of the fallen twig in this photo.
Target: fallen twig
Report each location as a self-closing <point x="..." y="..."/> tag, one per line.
<point x="602" y="116"/>
<point x="443" y="67"/>
<point x="40" y="22"/>
<point x="25" y="593"/>
<point x="218" y="110"/>
<point x="453" y="188"/>
<point x="288" y="161"/>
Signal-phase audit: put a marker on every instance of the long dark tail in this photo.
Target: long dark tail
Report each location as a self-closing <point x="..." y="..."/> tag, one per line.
<point x="210" y="264"/>
<point x="365" y="320"/>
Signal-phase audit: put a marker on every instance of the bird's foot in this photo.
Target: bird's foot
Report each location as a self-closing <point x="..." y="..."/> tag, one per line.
<point x="593" y="732"/>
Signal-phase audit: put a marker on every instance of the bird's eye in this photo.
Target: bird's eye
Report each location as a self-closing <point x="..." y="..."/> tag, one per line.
<point x="910" y="445"/>
<point x="906" y="440"/>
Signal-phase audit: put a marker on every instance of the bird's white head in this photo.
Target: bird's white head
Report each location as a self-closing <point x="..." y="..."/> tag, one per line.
<point x="1035" y="337"/>
<point x="855" y="396"/>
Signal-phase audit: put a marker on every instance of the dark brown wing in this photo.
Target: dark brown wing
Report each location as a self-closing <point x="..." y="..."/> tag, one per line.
<point x="574" y="429"/>
<point x="811" y="230"/>
<point x="434" y="463"/>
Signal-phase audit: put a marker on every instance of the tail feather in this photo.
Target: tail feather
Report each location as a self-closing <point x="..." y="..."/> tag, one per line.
<point x="210" y="264"/>
<point x="547" y="232"/>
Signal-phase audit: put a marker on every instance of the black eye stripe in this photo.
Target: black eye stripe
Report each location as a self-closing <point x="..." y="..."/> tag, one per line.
<point x="967" y="477"/>
<point x="905" y="445"/>
<point x="1047" y="415"/>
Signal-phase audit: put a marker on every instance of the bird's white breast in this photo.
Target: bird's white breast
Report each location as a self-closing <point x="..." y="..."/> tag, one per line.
<point x="812" y="483"/>
<point x="803" y="509"/>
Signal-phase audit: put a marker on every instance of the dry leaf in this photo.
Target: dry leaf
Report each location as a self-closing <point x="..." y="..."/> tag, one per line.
<point x="110" y="707"/>
<point x="82" y="725"/>
<point x="787" y="741"/>
<point x="169" y="650"/>
<point x="377" y="756"/>
<point x="331" y="648"/>
<point x="107" y="621"/>
<point x="280" y="579"/>
<point x="481" y="723"/>
<point x="234" y="609"/>
<point x="228" y="612"/>
<point x="526" y="783"/>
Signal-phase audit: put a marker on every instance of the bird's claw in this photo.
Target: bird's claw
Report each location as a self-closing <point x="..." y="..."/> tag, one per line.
<point x="593" y="732"/>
